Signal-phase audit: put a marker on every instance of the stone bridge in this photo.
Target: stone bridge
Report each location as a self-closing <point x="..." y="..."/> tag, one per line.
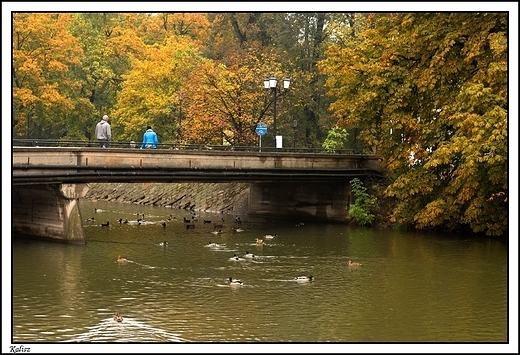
<point x="48" y="182"/>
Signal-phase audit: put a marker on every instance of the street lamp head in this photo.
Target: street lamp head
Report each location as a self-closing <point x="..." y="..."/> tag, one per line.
<point x="272" y="82"/>
<point x="286" y="83"/>
<point x="266" y="83"/>
<point x="295" y="124"/>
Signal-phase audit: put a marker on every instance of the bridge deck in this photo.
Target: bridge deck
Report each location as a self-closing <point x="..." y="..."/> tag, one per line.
<point x="79" y="165"/>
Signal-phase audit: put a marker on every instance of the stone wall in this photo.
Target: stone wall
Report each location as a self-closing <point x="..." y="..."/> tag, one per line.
<point x="229" y="198"/>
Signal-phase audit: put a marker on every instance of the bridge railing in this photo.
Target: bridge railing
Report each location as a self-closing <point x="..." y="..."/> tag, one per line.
<point x="175" y="146"/>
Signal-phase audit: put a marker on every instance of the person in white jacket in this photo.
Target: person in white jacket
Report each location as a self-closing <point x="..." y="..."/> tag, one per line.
<point x="103" y="132"/>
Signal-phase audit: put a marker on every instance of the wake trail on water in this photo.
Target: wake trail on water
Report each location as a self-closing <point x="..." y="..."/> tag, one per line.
<point x="129" y="330"/>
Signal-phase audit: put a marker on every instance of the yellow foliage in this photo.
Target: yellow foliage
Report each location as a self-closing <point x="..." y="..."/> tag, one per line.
<point x="430" y="90"/>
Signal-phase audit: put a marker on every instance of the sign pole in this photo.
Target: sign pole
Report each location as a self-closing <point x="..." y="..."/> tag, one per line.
<point x="260" y="129"/>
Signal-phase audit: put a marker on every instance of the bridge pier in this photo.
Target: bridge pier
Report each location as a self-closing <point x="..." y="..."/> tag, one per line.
<point x="48" y="212"/>
<point x="311" y="201"/>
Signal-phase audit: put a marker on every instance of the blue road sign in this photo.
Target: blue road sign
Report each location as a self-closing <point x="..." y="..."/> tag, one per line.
<point x="261" y="129"/>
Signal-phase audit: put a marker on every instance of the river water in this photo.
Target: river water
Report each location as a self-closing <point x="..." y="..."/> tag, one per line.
<point x="410" y="288"/>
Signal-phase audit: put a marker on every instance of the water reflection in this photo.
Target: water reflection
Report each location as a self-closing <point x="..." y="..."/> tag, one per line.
<point x="174" y="285"/>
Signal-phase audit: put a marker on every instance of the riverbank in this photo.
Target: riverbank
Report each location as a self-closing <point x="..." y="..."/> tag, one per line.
<point x="230" y="198"/>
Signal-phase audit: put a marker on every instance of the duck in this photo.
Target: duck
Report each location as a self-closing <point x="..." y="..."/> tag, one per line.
<point x="249" y="255"/>
<point x="118" y="317"/>
<point x="163" y="244"/>
<point x="304" y="278"/>
<point x="259" y="241"/>
<point x="350" y="263"/>
<point x="90" y="219"/>
<point x="105" y="224"/>
<point x="163" y="224"/>
<point x="270" y="236"/>
<point x="234" y="258"/>
<point x="121" y="260"/>
<point x="212" y="245"/>
<point x="234" y="282"/>
<point x="216" y="232"/>
<point x="238" y="230"/>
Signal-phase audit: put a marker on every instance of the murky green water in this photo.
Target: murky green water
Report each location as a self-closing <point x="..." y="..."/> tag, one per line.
<point x="410" y="287"/>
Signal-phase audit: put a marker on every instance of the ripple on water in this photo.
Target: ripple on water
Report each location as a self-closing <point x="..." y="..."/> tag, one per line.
<point x="129" y="330"/>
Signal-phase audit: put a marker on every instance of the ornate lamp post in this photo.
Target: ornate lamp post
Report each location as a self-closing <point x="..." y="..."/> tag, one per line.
<point x="271" y="84"/>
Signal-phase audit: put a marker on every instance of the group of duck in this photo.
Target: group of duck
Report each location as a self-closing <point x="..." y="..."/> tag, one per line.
<point x="259" y="241"/>
<point x="189" y="222"/>
<point x="236" y="282"/>
<point x="231" y="281"/>
<point x="121" y="220"/>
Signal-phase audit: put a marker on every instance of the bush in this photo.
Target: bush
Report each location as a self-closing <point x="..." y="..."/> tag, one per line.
<point x="336" y="139"/>
<point x="361" y="209"/>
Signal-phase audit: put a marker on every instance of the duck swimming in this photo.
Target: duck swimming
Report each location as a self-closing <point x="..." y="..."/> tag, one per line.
<point x="304" y="278"/>
<point x="350" y="263"/>
<point x="163" y="244"/>
<point x="270" y="236"/>
<point x="234" y="258"/>
<point x="118" y="317"/>
<point x="233" y="282"/>
<point x="238" y="230"/>
<point x="259" y="241"/>
<point x="105" y="224"/>
<point x="249" y="255"/>
<point x="121" y="260"/>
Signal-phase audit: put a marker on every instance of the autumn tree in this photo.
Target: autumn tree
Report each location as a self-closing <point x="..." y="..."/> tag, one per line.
<point x="150" y="92"/>
<point x="298" y="41"/>
<point x="429" y="92"/>
<point x="110" y="46"/>
<point x="228" y="100"/>
<point x="155" y="28"/>
<point x="47" y="96"/>
<point x="110" y="42"/>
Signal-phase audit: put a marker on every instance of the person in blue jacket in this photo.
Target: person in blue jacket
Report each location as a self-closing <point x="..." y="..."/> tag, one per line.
<point x="149" y="138"/>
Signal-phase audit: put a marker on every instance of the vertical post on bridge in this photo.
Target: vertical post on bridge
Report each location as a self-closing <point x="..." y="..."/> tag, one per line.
<point x="261" y="129"/>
